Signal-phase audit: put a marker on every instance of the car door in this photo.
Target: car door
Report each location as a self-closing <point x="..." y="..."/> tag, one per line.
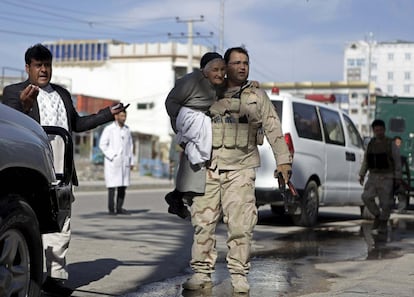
<point x="355" y="155"/>
<point x="337" y="168"/>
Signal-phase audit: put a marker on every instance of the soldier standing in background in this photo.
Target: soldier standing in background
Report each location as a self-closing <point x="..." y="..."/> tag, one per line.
<point x="238" y="122"/>
<point x="382" y="160"/>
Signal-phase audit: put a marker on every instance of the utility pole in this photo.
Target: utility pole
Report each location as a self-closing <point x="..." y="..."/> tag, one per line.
<point x="221" y="44"/>
<point x="369" y="41"/>
<point x="190" y="37"/>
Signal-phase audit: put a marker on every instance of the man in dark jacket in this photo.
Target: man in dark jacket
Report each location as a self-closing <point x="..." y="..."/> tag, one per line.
<point x="382" y="160"/>
<point x="51" y="105"/>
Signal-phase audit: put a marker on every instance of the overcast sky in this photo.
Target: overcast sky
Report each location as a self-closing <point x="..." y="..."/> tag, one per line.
<point x="288" y="40"/>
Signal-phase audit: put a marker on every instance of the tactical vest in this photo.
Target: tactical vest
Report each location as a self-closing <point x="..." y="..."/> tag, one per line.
<point x="380" y="159"/>
<point x="240" y="126"/>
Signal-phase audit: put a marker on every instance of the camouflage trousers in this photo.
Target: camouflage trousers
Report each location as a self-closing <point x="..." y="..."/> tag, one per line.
<point x="230" y="193"/>
<point x="381" y="186"/>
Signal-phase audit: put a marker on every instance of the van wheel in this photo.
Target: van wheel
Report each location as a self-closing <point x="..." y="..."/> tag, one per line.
<point x="309" y="204"/>
<point x="21" y="252"/>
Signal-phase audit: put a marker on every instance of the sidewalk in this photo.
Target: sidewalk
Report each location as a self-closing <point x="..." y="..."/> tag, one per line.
<point x="97" y="183"/>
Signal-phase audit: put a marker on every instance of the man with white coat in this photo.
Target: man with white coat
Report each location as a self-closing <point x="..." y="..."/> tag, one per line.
<point x="117" y="147"/>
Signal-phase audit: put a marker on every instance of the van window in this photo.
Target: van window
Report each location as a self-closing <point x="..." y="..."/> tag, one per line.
<point x="279" y="107"/>
<point x="332" y="127"/>
<point x="306" y="121"/>
<point x="353" y="133"/>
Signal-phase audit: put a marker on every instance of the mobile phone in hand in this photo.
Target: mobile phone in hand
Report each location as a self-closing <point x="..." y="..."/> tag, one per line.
<point x="120" y="106"/>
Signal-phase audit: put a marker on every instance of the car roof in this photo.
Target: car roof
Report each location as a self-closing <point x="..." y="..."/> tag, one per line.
<point x="284" y="96"/>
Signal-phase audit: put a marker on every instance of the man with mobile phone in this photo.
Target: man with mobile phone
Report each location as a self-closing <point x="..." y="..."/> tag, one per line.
<point x="51" y="105"/>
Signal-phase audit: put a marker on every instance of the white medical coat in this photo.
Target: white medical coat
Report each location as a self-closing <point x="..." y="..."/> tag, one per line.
<point x="117" y="146"/>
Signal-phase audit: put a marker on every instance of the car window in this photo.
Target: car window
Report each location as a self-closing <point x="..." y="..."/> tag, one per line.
<point x="332" y="127"/>
<point x="396" y="125"/>
<point x="306" y="121"/>
<point x="279" y="107"/>
<point x="353" y="133"/>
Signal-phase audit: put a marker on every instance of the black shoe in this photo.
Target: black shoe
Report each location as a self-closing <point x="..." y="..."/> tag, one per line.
<point x="123" y="211"/>
<point x="112" y="212"/>
<point x="176" y="206"/>
<point x="56" y="287"/>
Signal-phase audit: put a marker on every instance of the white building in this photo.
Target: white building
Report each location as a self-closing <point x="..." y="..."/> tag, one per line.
<point x="138" y="74"/>
<point x="387" y="67"/>
<point x="390" y="64"/>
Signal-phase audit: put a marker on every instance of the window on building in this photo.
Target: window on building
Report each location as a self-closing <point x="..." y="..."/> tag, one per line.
<point x="68" y="52"/>
<point x="350" y="62"/>
<point x="390" y="75"/>
<point x="75" y="52"/>
<point x="64" y="51"/>
<point x="81" y="46"/>
<point x="99" y="52"/>
<point x="374" y="66"/>
<point x="407" y="89"/>
<point x="105" y="51"/>
<point x="57" y="52"/>
<point x="52" y="49"/>
<point x="407" y="75"/>
<point x="407" y="56"/>
<point x="360" y="62"/>
<point x="374" y="78"/>
<point x="390" y="89"/>
<point x="146" y="105"/>
<point x="390" y="56"/>
<point x="353" y="74"/>
<point x="87" y="54"/>
<point x="93" y="46"/>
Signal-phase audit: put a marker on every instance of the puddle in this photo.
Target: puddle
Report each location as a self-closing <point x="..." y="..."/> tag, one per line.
<point x="285" y="266"/>
<point x="332" y="243"/>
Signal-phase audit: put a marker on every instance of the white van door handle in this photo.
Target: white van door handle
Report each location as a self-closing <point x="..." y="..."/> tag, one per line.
<point x="350" y="156"/>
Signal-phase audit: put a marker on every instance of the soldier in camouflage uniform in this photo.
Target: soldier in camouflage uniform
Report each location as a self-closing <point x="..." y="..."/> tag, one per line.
<point x="382" y="160"/>
<point x="239" y="121"/>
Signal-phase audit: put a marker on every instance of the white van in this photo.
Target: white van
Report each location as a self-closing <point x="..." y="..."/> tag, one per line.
<point x="327" y="154"/>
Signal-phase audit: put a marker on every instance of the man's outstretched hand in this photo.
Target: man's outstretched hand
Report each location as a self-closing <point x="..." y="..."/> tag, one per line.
<point x="28" y="96"/>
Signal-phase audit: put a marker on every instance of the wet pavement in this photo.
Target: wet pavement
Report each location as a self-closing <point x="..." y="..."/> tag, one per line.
<point x="339" y="257"/>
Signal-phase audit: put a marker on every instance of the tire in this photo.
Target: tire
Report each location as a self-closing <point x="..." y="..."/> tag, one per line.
<point x="21" y="251"/>
<point x="309" y="205"/>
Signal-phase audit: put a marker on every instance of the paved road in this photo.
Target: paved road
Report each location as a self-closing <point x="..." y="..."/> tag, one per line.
<point x="147" y="253"/>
